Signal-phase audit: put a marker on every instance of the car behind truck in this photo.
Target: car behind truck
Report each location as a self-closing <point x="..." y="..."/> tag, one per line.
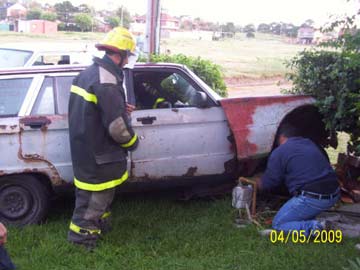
<point x="194" y="137"/>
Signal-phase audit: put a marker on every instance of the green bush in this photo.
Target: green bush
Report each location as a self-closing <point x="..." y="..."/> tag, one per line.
<point x="333" y="78"/>
<point x="209" y="72"/>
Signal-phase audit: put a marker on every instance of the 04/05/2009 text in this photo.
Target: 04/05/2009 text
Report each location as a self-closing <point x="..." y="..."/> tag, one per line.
<point x="300" y="237"/>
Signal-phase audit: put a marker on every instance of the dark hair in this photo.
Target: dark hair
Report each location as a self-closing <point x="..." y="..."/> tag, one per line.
<point x="288" y="131"/>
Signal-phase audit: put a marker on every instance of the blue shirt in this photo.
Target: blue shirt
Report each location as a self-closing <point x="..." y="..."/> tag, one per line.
<point x="295" y="163"/>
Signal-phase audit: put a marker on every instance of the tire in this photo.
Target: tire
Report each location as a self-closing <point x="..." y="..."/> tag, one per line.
<point x="23" y="200"/>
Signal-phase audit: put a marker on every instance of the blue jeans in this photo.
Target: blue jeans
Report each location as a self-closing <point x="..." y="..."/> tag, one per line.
<point x="299" y="214"/>
<point x="5" y="261"/>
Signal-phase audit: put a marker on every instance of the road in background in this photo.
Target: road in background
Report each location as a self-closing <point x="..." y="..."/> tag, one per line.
<point x="256" y="87"/>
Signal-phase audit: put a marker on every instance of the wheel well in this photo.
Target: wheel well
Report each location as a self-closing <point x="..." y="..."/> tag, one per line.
<point x="43" y="179"/>
<point x="308" y="123"/>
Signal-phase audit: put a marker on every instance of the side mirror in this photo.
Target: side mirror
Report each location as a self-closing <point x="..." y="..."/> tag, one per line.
<point x="199" y="99"/>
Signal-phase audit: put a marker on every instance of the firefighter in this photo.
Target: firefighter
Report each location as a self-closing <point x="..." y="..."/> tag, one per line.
<point x="100" y="136"/>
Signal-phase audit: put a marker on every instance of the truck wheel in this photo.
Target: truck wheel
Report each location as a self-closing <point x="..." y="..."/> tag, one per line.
<point x="23" y="200"/>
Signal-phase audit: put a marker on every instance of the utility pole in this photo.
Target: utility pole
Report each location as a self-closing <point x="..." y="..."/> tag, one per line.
<point x="122" y="16"/>
<point x="153" y="27"/>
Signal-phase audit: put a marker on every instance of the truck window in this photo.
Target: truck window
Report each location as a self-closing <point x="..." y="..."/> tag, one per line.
<point x="12" y="95"/>
<point x="155" y="90"/>
<point x="44" y="104"/>
<point x="54" y="96"/>
<point x="52" y="59"/>
<point x="63" y="85"/>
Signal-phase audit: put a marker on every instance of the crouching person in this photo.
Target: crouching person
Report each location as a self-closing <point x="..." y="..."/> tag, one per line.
<point x="5" y="261"/>
<point x="305" y="170"/>
<point x="100" y="136"/>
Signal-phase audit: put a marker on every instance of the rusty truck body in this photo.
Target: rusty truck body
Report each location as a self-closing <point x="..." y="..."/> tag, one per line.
<point x="192" y="140"/>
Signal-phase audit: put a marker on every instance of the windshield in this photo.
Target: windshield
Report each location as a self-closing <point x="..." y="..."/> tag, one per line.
<point x="13" y="58"/>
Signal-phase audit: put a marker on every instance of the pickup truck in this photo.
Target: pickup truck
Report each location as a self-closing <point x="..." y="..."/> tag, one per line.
<point x="197" y="137"/>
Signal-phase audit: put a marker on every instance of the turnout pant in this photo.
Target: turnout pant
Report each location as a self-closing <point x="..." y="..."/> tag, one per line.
<point x="91" y="215"/>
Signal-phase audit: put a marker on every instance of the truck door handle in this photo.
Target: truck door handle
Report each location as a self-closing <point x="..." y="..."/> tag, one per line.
<point x="146" y="120"/>
<point x="36" y="123"/>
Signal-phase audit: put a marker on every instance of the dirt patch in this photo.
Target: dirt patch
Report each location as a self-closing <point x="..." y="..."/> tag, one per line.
<point x="240" y="87"/>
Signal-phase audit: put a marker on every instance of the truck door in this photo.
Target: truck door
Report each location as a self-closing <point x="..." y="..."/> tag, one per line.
<point x="182" y="132"/>
<point x="44" y="136"/>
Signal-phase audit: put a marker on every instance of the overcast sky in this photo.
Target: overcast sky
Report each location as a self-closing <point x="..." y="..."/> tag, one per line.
<point x="239" y="11"/>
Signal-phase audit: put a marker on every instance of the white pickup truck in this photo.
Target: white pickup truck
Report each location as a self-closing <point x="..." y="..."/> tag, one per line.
<point x="197" y="138"/>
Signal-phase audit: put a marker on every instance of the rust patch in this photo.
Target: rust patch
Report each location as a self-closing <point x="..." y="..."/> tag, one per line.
<point x="52" y="173"/>
<point x="13" y="126"/>
<point x="3" y="126"/>
<point x="2" y="172"/>
<point x="190" y="172"/>
<point x="239" y="112"/>
<point x="36" y="121"/>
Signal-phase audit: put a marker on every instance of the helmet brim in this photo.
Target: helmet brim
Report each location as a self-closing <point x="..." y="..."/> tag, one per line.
<point x="102" y="47"/>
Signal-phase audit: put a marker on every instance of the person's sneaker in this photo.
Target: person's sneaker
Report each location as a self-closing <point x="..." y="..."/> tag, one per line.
<point x="327" y="225"/>
<point x="265" y="232"/>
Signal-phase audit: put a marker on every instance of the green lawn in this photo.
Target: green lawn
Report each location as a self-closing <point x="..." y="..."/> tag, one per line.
<point x="263" y="56"/>
<point x="165" y="234"/>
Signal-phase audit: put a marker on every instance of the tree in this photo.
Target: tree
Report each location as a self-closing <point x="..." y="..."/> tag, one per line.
<point x="276" y="28"/>
<point x="48" y="16"/>
<point x="309" y="23"/>
<point x="290" y="30"/>
<point x="83" y="21"/>
<point x="65" y="11"/>
<point x="84" y="8"/>
<point x="332" y="77"/>
<point x="229" y="27"/>
<point x="113" y="21"/>
<point x="33" y="14"/>
<point x="249" y="28"/>
<point x="250" y="34"/>
<point x="124" y="15"/>
<point x="263" y="28"/>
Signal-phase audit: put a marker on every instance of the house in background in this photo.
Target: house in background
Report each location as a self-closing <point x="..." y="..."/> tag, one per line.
<point x="306" y="34"/>
<point x="36" y="27"/>
<point x="100" y="25"/>
<point x="168" y="24"/>
<point x="16" y="11"/>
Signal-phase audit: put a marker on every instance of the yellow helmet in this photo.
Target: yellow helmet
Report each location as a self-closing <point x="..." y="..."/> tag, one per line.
<point x="118" y="39"/>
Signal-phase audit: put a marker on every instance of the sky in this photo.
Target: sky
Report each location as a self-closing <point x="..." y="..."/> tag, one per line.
<point x="240" y="12"/>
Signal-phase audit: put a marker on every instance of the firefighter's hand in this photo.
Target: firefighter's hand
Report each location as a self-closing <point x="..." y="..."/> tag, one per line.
<point x="129" y="108"/>
<point x="3" y="234"/>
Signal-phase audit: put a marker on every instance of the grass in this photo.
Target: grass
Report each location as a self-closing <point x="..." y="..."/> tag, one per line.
<point x="159" y="233"/>
<point x="263" y="56"/>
